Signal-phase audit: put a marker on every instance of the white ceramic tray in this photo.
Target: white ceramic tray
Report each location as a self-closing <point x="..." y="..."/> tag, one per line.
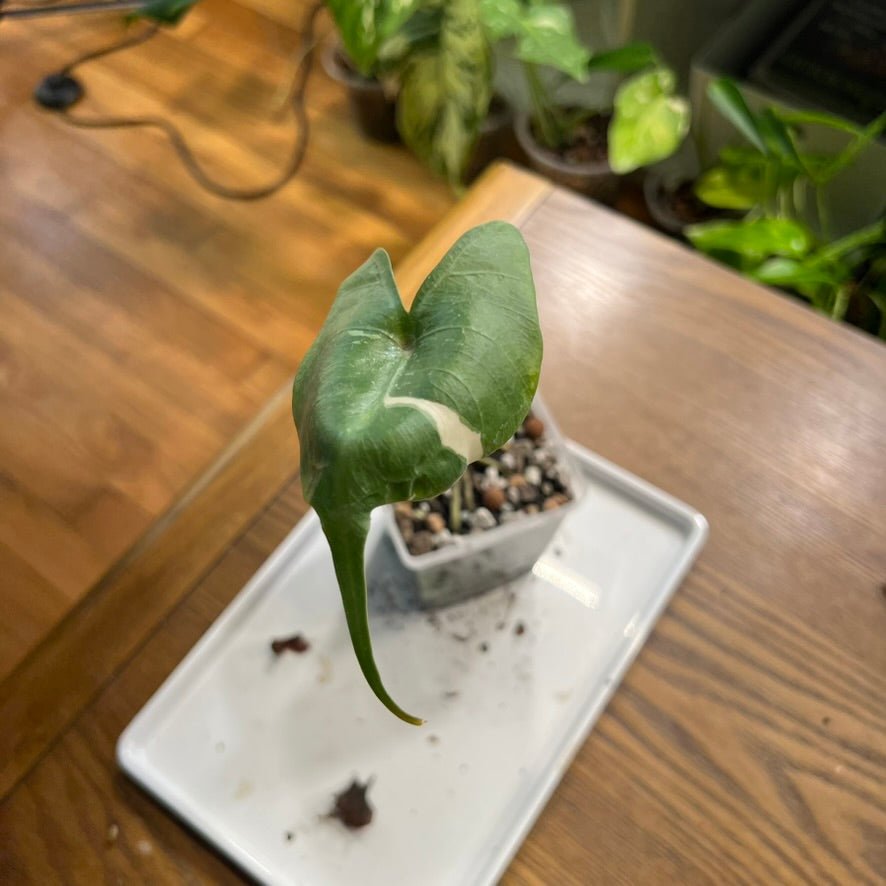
<point x="249" y="749"/>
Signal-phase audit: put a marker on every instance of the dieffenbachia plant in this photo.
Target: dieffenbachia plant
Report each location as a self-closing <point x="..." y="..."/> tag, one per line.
<point x="445" y="91"/>
<point x="393" y="404"/>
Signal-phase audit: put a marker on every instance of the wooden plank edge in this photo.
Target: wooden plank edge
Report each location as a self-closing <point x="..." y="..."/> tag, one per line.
<point x="47" y="690"/>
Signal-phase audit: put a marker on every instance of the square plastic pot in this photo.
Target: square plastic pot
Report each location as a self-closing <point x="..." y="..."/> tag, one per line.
<point x="480" y="561"/>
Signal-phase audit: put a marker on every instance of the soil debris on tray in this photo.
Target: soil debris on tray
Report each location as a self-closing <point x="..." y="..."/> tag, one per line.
<point x="351" y="807"/>
<point x="295" y="643"/>
<point x="519" y="629"/>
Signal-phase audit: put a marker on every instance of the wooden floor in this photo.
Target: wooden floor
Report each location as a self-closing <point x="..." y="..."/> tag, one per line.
<point x="143" y="322"/>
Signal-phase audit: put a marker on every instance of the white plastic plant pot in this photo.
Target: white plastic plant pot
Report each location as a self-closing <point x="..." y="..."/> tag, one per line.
<point x="481" y="560"/>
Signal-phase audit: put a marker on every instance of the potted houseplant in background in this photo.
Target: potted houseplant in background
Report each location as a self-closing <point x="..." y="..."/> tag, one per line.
<point x="422" y="71"/>
<point x="579" y="147"/>
<point x="784" y="235"/>
<point x="393" y="406"/>
<point x="374" y="38"/>
<point x="446" y="92"/>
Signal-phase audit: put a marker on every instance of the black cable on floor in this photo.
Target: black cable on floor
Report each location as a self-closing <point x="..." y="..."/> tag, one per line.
<point x="297" y="93"/>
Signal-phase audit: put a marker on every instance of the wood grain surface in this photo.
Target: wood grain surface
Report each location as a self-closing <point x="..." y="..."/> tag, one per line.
<point x="746" y="744"/>
<point x="144" y="322"/>
<point x="40" y="697"/>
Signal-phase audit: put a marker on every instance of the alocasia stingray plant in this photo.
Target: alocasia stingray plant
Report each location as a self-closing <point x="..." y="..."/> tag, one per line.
<point x="393" y="404"/>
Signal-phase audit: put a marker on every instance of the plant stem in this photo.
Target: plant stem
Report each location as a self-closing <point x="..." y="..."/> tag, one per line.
<point x="821" y="211"/>
<point x="867" y="236"/>
<point x="468" y="488"/>
<point x="542" y="109"/>
<point x="841" y="302"/>
<point x="847" y="156"/>
<point x="816" y="118"/>
<point x="455" y="507"/>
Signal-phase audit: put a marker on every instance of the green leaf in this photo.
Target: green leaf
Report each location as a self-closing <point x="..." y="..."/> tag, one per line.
<point x="778" y="139"/>
<point x="502" y="18"/>
<point x="422" y="31"/>
<point x="624" y="60"/>
<point x="165" y="12"/>
<point x="649" y="122"/>
<point x="799" y="274"/>
<point x="729" y="187"/>
<point x="392" y="405"/>
<point x="365" y="25"/>
<point x="548" y="37"/>
<point x="445" y="92"/>
<point x="754" y="239"/>
<point x="731" y="104"/>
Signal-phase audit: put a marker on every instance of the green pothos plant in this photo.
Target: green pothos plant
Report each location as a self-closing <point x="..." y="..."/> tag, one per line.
<point x="446" y="88"/>
<point x="393" y="405"/>
<point x="649" y="119"/>
<point x="784" y="237"/>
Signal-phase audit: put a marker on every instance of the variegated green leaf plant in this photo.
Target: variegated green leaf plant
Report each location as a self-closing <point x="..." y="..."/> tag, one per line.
<point x="393" y="404"/>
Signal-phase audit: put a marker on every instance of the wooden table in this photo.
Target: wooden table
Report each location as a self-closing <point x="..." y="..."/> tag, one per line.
<point x="747" y="742"/>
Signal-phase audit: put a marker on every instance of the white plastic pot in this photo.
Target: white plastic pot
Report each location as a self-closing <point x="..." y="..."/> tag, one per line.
<point x="480" y="561"/>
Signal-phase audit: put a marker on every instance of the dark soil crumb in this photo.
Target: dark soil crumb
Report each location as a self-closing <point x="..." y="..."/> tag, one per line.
<point x="519" y="629"/>
<point x="825" y="721"/>
<point x="295" y="643"/>
<point x="433" y="739"/>
<point x="451" y="693"/>
<point x="289" y="836"/>
<point x="484" y="647"/>
<point x="351" y="807"/>
<point x="462" y="638"/>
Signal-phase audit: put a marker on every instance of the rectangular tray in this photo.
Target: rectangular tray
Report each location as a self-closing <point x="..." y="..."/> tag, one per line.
<point x="250" y="749"/>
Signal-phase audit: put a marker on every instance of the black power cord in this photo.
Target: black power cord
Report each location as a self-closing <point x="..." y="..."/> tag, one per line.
<point x="60" y="91"/>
